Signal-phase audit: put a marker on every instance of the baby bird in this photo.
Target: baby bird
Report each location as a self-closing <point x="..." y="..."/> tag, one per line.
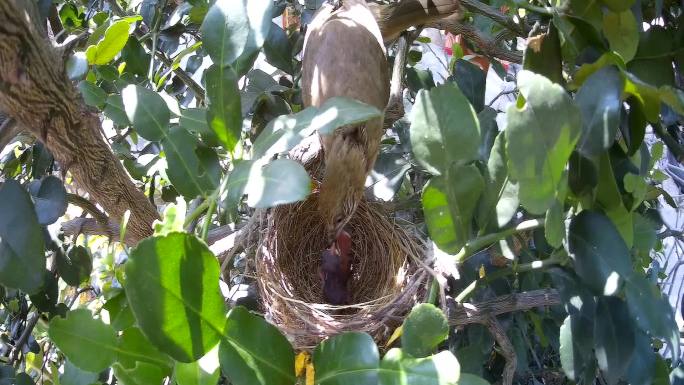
<point x="335" y="270"/>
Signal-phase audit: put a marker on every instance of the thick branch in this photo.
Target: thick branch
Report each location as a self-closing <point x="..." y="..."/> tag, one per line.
<point x="488" y="47"/>
<point x="36" y="92"/>
<point x="464" y="314"/>
<point x="476" y="6"/>
<point x="8" y="131"/>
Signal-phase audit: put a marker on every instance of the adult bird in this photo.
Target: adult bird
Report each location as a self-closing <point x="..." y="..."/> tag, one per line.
<point x="344" y="56"/>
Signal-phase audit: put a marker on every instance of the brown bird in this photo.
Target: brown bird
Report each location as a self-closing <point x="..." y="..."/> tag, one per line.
<point x="344" y="56"/>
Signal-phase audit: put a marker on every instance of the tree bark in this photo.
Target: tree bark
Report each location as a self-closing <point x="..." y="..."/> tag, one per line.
<point x="36" y="92"/>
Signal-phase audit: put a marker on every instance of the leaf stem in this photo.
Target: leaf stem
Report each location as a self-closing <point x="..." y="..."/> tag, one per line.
<point x="207" y="218"/>
<point x="480" y="243"/>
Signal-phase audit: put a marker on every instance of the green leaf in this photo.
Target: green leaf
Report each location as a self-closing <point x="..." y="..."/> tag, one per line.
<point x="86" y="341"/>
<point x="540" y="137"/>
<point x="471" y="80"/>
<point x="340" y="111"/>
<point x="543" y="55"/>
<point x="147" y="111"/>
<point x="576" y="349"/>
<point x="253" y="351"/>
<point x="554" y="228"/>
<point x="76" y="266"/>
<point x="173" y="275"/>
<point x="601" y="257"/>
<point x="142" y="374"/>
<point x="114" y="110"/>
<point x="284" y="132"/>
<point x="349" y="358"/>
<point x="388" y="174"/>
<point x="133" y="347"/>
<point x="609" y="200"/>
<point x="49" y="199"/>
<point x="224" y="115"/>
<point x="471" y="379"/>
<point x="278" y="49"/>
<point x="46" y="299"/>
<point x="195" y="120"/>
<point x="92" y="94"/>
<point x="647" y="95"/>
<point x="424" y="329"/>
<point x="444" y="129"/>
<point x="235" y="28"/>
<point x="191" y="171"/>
<point x="642" y="365"/>
<point x="652" y="311"/>
<point x="500" y="196"/>
<point x="237" y="182"/>
<point x="439" y="369"/>
<point x="613" y="338"/>
<point x="449" y="203"/>
<point x="205" y="371"/>
<point x="120" y="314"/>
<point x="74" y="376"/>
<point x="136" y="58"/>
<point x="279" y="182"/>
<point x="622" y="33"/>
<point x="22" y="254"/>
<point x="618" y="5"/>
<point x="114" y="40"/>
<point x="599" y="101"/>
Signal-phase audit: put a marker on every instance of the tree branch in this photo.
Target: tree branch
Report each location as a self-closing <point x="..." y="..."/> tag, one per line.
<point x="507" y="349"/>
<point x="467" y="313"/>
<point x="477" y="244"/>
<point x="36" y="92"/>
<point x="8" y="131"/>
<point x="487" y="46"/>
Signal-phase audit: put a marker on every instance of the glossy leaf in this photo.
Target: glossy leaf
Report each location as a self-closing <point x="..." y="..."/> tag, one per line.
<point x="77" y="66"/>
<point x="22" y="255"/>
<point x="340" y="111"/>
<point x="49" y="199"/>
<point x="449" y="204"/>
<point x="86" y="341"/>
<point x="613" y="338"/>
<point x="618" y="5"/>
<point x="92" y="94"/>
<point x="284" y="132"/>
<point x="147" y="111"/>
<point x="142" y="374"/>
<point x="396" y="368"/>
<point x="642" y="366"/>
<point x="172" y="275"/>
<point x="195" y="120"/>
<point x="114" y="40"/>
<point x="75" y="266"/>
<point x="599" y="101"/>
<point x="609" y="200"/>
<point x="444" y="129"/>
<point x="279" y="182"/>
<point x="601" y="257"/>
<point x="235" y="28"/>
<point x="191" y="171"/>
<point x="114" y="110"/>
<point x="540" y="137"/>
<point x="74" y="376"/>
<point x="652" y="311"/>
<point x="471" y="80"/>
<point x="277" y="49"/>
<point x="543" y="55"/>
<point x="622" y="33"/>
<point x="224" y="116"/>
<point x="253" y="351"/>
<point x="424" y="329"/>
<point x="134" y="347"/>
<point x="349" y="358"/>
<point x="499" y="201"/>
<point x="205" y="371"/>
<point x="576" y="349"/>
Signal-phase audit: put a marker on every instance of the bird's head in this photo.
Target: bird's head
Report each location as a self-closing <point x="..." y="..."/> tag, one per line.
<point x="341" y="189"/>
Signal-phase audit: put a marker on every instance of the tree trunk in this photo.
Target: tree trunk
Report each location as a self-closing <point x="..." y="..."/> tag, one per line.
<point x="36" y="92"/>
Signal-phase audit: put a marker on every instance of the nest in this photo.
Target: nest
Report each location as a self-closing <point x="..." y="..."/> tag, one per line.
<point x="385" y="282"/>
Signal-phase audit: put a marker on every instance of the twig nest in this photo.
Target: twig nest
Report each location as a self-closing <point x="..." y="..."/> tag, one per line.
<point x="385" y="279"/>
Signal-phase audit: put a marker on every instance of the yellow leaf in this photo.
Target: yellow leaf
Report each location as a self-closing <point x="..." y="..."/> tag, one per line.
<point x="300" y="363"/>
<point x="482" y="271"/>
<point x="310" y="372"/>
<point x="395" y="336"/>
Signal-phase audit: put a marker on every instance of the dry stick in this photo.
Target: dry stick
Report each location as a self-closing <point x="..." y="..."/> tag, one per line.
<point x="488" y="46"/>
<point x="468" y="313"/>
<point x="30" y="324"/>
<point x="507" y="349"/>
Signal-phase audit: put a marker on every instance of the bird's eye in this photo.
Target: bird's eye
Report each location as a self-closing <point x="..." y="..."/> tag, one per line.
<point x="339" y="219"/>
